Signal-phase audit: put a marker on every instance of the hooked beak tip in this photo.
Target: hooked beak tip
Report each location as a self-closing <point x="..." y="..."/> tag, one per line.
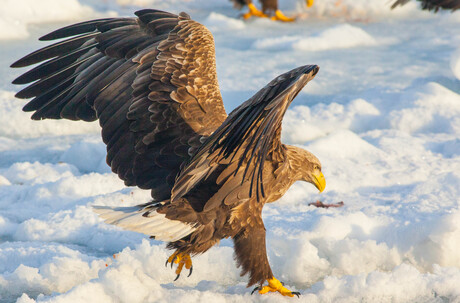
<point x="320" y="181"/>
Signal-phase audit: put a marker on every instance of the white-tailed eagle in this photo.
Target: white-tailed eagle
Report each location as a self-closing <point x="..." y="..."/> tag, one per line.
<point x="151" y="82"/>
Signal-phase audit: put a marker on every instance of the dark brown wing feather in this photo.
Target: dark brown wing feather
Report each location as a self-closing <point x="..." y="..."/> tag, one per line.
<point x="433" y="5"/>
<point x="151" y="82"/>
<point x="240" y="3"/>
<point x="247" y="139"/>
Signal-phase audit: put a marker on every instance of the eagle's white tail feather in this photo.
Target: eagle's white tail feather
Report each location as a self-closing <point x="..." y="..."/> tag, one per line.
<point x="182" y="234"/>
<point x="155" y="224"/>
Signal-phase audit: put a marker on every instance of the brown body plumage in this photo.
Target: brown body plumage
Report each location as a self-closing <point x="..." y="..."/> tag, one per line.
<point x="433" y="5"/>
<point x="151" y="82"/>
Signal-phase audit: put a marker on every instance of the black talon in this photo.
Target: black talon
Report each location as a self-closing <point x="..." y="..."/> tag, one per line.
<point x="296" y="293"/>
<point x="166" y="264"/>
<point x="191" y="269"/>
<point x="257" y="288"/>
<point x="177" y="277"/>
<point x="172" y="262"/>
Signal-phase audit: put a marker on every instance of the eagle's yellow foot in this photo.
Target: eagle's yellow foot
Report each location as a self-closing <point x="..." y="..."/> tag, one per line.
<point x="279" y="16"/>
<point x="275" y="285"/>
<point x="180" y="259"/>
<point x="310" y="3"/>
<point x="253" y="11"/>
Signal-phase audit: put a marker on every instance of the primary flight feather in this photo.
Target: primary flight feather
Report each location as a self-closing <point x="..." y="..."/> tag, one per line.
<point x="151" y="82"/>
<point x="432" y="5"/>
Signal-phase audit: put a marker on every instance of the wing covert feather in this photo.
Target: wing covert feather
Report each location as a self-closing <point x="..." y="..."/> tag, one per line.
<point x="248" y="138"/>
<point x="151" y="81"/>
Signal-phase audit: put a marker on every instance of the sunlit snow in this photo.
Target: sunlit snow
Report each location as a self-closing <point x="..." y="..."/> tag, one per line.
<point x="382" y="115"/>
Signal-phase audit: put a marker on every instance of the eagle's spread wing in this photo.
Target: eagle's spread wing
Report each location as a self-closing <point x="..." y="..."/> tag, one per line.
<point x="433" y="5"/>
<point x="151" y="81"/>
<point x="234" y="155"/>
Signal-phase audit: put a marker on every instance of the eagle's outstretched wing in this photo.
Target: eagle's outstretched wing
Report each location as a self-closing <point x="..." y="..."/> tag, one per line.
<point x="433" y="5"/>
<point x="241" y="145"/>
<point x="151" y="81"/>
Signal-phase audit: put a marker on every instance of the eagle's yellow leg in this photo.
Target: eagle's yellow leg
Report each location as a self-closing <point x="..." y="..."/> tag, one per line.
<point x="275" y="285"/>
<point x="180" y="259"/>
<point x="253" y="11"/>
<point x="279" y="16"/>
<point x="310" y="3"/>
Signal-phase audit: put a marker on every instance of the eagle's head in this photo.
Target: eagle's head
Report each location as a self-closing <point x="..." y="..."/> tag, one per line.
<point x="307" y="166"/>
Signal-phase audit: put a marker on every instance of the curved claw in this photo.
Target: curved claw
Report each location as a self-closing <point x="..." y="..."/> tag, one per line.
<point x="181" y="259"/>
<point x="296" y="293"/>
<point x="190" y="272"/>
<point x="173" y="260"/>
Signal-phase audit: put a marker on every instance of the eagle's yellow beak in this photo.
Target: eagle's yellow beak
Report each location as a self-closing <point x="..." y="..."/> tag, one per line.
<point x="309" y="3"/>
<point x="320" y="181"/>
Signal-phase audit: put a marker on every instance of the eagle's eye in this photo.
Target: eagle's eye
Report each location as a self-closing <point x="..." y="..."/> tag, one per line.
<point x="316" y="167"/>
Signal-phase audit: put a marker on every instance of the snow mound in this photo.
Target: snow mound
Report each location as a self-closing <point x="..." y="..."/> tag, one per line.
<point x="216" y="22"/>
<point x="362" y="10"/>
<point x="141" y="3"/>
<point x="404" y="284"/>
<point x="38" y="173"/>
<point x="303" y="123"/>
<point x="340" y="36"/>
<point x="19" y="124"/>
<point x="35" y="268"/>
<point x="132" y="277"/>
<point x="93" y="152"/>
<point x="4" y="181"/>
<point x="16" y="15"/>
<point x="455" y="63"/>
<point x="345" y="144"/>
<point x="448" y="148"/>
<point x="435" y="109"/>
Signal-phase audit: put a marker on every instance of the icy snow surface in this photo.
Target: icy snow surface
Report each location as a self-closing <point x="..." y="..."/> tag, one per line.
<point x="383" y="116"/>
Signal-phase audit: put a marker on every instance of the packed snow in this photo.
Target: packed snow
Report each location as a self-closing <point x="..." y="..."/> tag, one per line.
<point x="16" y="15"/>
<point x="344" y="36"/>
<point x="455" y="63"/>
<point x="382" y="115"/>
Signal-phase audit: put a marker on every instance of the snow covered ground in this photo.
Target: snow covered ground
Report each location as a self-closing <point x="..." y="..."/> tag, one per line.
<point x="383" y="116"/>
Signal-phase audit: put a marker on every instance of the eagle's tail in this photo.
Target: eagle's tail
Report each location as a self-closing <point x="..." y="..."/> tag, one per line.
<point x="145" y="219"/>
